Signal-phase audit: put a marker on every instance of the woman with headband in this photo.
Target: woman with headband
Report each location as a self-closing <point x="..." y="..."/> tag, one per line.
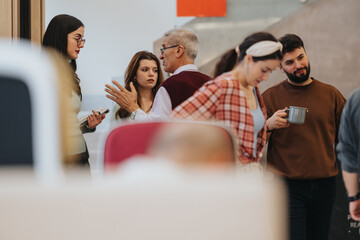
<point x="234" y="98"/>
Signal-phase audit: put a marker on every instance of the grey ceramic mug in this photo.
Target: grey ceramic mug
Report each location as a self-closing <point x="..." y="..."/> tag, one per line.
<point x="296" y="114"/>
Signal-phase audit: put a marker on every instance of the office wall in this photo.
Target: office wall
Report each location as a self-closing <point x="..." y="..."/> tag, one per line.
<point x="331" y="35"/>
<point x="114" y="31"/>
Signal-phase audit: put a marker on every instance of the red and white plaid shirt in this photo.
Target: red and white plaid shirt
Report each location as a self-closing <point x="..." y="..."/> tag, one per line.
<point x="221" y="99"/>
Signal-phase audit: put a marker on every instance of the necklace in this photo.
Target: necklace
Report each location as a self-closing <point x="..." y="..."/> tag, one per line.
<point x="147" y="111"/>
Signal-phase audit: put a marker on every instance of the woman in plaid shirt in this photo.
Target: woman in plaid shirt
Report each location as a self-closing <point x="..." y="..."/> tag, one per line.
<point x="234" y="98"/>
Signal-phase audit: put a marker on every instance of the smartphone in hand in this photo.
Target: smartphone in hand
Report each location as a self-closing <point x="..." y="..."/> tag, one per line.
<point x="83" y="120"/>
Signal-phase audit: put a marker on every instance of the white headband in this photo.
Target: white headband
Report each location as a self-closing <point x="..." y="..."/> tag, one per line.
<point x="264" y="48"/>
<point x="237" y="50"/>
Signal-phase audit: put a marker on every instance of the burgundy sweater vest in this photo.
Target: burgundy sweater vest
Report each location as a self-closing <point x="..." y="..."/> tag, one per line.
<point x="181" y="86"/>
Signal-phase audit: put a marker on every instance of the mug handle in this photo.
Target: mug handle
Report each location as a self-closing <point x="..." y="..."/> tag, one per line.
<point x="287" y="110"/>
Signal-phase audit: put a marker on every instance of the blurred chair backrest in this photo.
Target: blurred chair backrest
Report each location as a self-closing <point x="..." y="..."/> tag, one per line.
<point x="128" y="140"/>
<point x="29" y="99"/>
<point x="136" y="138"/>
<point x="16" y="141"/>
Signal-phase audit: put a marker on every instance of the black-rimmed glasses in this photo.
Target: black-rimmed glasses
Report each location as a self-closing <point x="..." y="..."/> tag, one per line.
<point x="162" y="50"/>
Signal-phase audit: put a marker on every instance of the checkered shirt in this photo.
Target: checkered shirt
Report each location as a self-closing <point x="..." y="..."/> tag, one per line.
<point x="222" y="100"/>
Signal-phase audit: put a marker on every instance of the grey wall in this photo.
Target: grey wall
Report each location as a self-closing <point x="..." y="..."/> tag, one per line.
<point x="331" y="33"/>
<point x="218" y="34"/>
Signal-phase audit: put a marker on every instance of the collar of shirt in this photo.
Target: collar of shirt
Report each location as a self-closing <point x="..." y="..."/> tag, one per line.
<point x="187" y="67"/>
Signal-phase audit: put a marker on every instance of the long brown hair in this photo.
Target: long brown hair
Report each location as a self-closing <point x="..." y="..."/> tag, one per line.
<point x="130" y="75"/>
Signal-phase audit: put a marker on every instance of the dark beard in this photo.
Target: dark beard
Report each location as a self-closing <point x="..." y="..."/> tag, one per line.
<point x="299" y="79"/>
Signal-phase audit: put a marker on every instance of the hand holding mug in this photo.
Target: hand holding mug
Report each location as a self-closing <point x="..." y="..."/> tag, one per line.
<point x="296" y="114"/>
<point x="278" y="120"/>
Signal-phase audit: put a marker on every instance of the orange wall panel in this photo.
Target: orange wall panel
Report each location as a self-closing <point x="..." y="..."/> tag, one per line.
<point x="201" y="8"/>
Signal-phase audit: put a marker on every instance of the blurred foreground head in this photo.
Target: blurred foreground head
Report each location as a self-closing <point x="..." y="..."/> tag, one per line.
<point x="195" y="145"/>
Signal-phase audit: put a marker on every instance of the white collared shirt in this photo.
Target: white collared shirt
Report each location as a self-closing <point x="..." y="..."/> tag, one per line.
<point x="187" y="67"/>
<point x="162" y="107"/>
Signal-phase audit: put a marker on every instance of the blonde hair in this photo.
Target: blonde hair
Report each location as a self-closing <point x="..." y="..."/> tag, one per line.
<point x="65" y="83"/>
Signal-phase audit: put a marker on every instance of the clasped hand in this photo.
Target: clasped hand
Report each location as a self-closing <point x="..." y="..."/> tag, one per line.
<point x="126" y="99"/>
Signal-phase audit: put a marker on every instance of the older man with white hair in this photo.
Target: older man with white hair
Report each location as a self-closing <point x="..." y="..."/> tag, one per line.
<point x="178" y="52"/>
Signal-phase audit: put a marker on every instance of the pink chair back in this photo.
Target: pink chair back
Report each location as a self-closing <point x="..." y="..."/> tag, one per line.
<point x="128" y="140"/>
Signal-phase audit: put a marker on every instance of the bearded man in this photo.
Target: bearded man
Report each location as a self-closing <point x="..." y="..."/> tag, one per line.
<point x="304" y="154"/>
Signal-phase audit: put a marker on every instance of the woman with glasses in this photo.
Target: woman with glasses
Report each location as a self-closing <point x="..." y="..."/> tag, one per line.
<point x="144" y="74"/>
<point x="234" y="98"/>
<point x="65" y="34"/>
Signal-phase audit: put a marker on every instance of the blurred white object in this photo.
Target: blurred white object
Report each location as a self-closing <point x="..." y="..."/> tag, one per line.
<point x="184" y="205"/>
<point x="28" y="64"/>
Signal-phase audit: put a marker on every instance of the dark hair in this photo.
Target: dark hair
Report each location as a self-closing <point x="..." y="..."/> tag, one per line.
<point x="230" y="58"/>
<point x="56" y="36"/>
<point x="130" y="75"/>
<point x="291" y="42"/>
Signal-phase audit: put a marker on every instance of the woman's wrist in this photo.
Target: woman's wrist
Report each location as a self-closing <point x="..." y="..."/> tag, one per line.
<point x="133" y="108"/>
<point x="268" y="129"/>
